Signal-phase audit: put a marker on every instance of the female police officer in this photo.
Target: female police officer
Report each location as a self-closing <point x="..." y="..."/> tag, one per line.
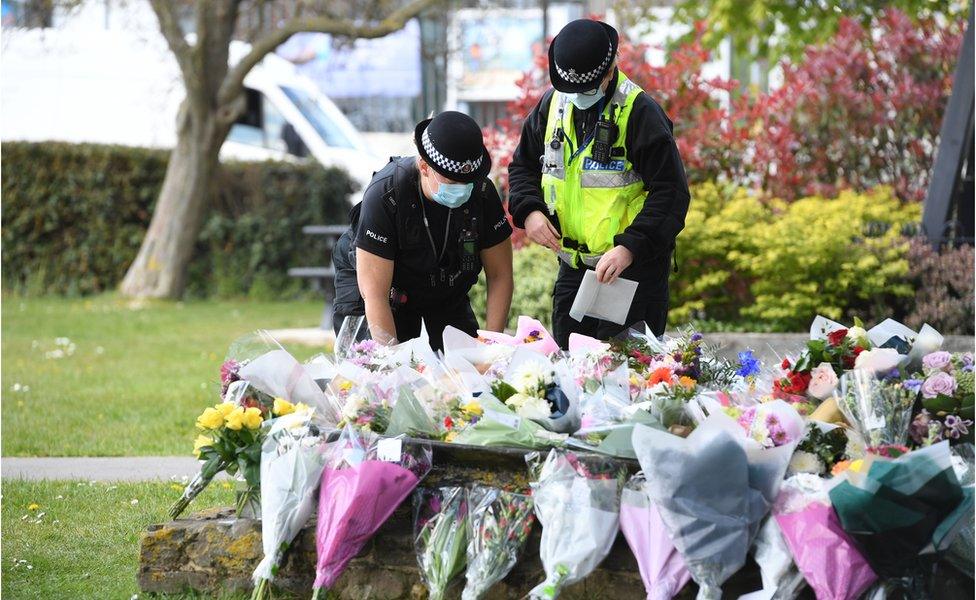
<point x="420" y="237"/>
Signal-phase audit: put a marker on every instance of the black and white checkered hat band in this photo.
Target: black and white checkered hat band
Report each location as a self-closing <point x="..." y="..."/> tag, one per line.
<point x="446" y="163"/>
<point x="572" y="76"/>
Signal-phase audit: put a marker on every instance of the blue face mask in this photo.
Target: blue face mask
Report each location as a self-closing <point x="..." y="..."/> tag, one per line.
<point x="453" y="195"/>
<point x="582" y="101"/>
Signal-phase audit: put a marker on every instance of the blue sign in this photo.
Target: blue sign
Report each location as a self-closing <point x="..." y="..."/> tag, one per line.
<point x="591" y="165"/>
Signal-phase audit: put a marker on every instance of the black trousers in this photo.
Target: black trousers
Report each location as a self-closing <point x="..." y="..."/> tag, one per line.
<point x="408" y="322"/>
<point x="650" y="306"/>
<point x="349" y="303"/>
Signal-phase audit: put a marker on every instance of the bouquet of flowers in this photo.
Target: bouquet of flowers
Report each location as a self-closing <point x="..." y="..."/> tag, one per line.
<point x="771" y="424"/>
<point x="899" y="510"/>
<point x="961" y="553"/>
<point x="946" y="388"/>
<point x="291" y="467"/>
<point x="231" y="442"/>
<point x="436" y="405"/>
<point x="498" y="525"/>
<point x="879" y="410"/>
<point x="712" y="490"/>
<point x="441" y="534"/>
<point x="483" y="354"/>
<point x="780" y="578"/>
<point x="909" y="344"/>
<point x="825" y="554"/>
<point x="364" y="480"/>
<point x="260" y="360"/>
<point x="529" y="334"/>
<point x="577" y="501"/>
<point x="661" y="567"/>
<point x="536" y="388"/>
<point x="608" y="417"/>
<point x="830" y="352"/>
<point x="496" y="425"/>
<point x="823" y="447"/>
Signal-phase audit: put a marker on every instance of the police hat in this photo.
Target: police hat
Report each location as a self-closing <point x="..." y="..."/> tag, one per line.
<point x="451" y="143"/>
<point x="581" y="54"/>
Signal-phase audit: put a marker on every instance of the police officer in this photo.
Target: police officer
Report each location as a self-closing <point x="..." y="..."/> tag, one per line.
<point x="597" y="178"/>
<point x="420" y="237"/>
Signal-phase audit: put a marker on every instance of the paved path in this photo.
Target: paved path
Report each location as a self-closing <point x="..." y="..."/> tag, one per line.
<point x="136" y="468"/>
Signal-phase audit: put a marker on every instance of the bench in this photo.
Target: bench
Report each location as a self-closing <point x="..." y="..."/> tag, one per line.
<point x="322" y="278"/>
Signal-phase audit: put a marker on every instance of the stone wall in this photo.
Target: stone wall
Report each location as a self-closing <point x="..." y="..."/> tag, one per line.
<point x="212" y="552"/>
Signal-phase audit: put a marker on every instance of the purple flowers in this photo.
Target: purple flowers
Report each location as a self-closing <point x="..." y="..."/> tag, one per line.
<point x="956" y="427"/>
<point x="912" y="385"/>
<point x="940" y="383"/>
<point x="228" y="371"/>
<point x="937" y="361"/>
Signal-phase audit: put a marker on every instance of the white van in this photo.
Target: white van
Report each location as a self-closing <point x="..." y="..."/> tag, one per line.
<point x="114" y="86"/>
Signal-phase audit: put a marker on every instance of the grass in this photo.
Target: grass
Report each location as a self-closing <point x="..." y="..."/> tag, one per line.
<point x="139" y="374"/>
<point x="70" y="539"/>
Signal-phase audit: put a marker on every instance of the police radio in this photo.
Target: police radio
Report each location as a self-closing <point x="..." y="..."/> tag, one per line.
<point x="604" y="136"/>
<point x="469" y="247"/>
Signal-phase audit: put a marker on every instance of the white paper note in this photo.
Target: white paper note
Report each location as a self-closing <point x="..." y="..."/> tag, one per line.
<point x="389" y="449"/>
<point x="609" y="302"/>
<point x="513" y="421"/>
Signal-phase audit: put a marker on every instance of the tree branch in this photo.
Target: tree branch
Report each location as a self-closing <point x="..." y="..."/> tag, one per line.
<point x="169" y="25"/>
<point x="233" y="84"/>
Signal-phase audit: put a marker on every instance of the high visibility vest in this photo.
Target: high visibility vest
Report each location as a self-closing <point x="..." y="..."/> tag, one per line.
<point x="593" y="201"/>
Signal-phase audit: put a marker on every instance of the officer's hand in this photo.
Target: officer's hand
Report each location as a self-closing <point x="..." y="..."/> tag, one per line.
<point x="612" y="264"/>
<point x="541" y="231"/>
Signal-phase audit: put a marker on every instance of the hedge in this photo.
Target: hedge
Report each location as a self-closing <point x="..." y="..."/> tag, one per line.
<point x="75" y="214"/>
<point x="745" y="264"/>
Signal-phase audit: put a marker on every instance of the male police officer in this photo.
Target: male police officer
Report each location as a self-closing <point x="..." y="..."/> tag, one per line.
<point x="420" y="236"/>
<point x="597" y="178"/>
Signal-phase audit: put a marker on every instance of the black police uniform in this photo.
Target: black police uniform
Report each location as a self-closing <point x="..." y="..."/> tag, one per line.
<point x="434" y="266"/>
<point x="650" y="238"/>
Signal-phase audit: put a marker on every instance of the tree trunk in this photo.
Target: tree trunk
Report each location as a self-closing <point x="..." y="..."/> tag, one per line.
<point x="159" y="270"/>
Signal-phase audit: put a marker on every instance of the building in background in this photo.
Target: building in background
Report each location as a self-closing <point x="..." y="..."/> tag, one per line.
<point x="469" y="58"/>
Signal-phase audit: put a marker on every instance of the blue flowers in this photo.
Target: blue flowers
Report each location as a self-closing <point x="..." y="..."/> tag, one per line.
<point x="749" y="365"/>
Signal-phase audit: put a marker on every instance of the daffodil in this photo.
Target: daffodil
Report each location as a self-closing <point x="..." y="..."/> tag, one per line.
<point x="252" y="418"/>
<point x="472" y="408"/>
<point x="282" y="407"/>
<point x="235" y="419"/>
<point x="201" y="442"/>
<point x="211" y="418"/>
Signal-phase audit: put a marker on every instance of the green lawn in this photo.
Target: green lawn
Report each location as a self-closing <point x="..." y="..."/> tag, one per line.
<point x="137" y="378"/>
<point x="70" y="539"/>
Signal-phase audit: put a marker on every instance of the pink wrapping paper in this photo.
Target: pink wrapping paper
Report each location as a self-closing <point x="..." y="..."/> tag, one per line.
<point x="579" y="342"/>
<point x="353" y="503"/>
<point x="526" y="326"/>
<point x="661" y="567"/>
<point x="824" y="553"/>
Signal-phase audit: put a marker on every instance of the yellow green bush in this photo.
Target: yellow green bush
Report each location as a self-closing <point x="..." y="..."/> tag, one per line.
<point x="535" y="270"/>
<point x="745" y="263"/>
<point x="839" y="257"/>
